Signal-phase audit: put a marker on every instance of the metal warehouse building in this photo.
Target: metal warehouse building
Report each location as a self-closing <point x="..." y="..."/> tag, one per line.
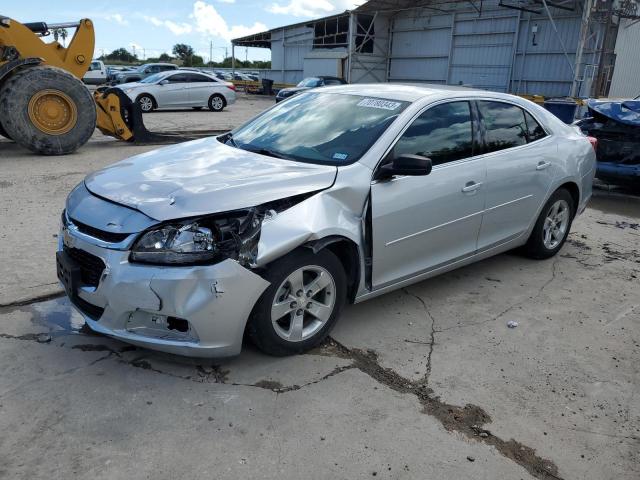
<point x="552" y="48"/>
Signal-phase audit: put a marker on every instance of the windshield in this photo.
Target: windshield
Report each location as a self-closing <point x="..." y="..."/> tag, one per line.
<point x="324" y="128"/>
<point x="156" y="77"/>
<point x="309" y="82"/>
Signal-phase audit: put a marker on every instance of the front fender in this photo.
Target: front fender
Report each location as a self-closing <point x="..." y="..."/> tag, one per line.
<point x="316" y="218"/>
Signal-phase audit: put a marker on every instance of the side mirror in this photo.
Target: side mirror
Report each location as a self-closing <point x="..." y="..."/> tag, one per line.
<point x="163" y="82"/>
<point x="406" y="164"/>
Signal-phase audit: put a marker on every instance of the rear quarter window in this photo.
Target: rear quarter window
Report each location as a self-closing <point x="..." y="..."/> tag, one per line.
<point x="534" y="129"/>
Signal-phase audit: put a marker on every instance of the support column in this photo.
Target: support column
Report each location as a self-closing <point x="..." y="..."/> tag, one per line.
<point x="584" y="31"/>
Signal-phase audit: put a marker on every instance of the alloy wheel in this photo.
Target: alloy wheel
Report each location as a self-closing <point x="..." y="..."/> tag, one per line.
<point x="556" y="224"/>
<point x="303" y="303"/>
<point x="217" y="103"/>
<point x="146" y="104"/>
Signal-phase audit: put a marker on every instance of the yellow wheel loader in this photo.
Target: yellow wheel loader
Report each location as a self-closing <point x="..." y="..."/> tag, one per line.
<point x="45" y="107"/>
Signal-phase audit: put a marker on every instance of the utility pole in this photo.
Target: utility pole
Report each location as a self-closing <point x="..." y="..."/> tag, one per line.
<point x="246" y="54"/>
<point x="134" y="50"/>
<point x="144" y="53"/>
<point x="211" y="52"/>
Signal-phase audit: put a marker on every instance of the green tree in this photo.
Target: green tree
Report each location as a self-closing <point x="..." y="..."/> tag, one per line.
<point x="165" y="57"/>
<point x="185" y="53"/>
<point x="121" y="55"/>
<point x="61" y="33"/>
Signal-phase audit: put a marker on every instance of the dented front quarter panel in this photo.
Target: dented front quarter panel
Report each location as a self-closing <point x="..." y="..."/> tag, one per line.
<point x="337" y="211"/>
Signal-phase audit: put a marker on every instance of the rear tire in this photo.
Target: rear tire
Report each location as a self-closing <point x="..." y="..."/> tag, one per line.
<point x="295" y="314"/>
<point x="552" y="227"/>
<point x="217" y="103"/>
<point x="47" y="110"/>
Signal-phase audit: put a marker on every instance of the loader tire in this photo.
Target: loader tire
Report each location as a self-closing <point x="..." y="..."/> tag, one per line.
<point x="47" y="110"/>
<point x="3" y="133"/>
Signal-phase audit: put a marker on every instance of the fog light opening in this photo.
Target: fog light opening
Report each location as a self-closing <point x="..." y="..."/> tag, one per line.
<point x="178" y="324"/>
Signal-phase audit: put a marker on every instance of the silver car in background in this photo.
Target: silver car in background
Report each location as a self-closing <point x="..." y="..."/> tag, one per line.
<point x="336" y="195"/>
<point x="181" y="89"/>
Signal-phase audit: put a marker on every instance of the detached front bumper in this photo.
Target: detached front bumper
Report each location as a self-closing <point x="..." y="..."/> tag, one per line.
<point x="198" y="311"/>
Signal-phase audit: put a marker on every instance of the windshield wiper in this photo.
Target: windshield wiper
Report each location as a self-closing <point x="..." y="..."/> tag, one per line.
<point x="228" y="137"/>
<point x="266" y="151"/>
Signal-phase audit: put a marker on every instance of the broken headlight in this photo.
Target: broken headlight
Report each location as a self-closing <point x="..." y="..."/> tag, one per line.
<point x="175" y="244"/>
<point x="210" y="239"/>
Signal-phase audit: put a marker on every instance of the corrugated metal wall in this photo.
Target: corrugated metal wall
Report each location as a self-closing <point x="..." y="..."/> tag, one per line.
<point x="626" y="74"/>
<point x="288" y="49"/>
<point x="503" y="49"/>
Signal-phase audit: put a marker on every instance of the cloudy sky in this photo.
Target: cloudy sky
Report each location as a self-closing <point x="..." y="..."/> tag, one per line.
<point x="154" y="26"/>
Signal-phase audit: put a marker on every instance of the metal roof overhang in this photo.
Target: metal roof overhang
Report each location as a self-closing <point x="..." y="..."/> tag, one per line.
<point x="263" y="39"/>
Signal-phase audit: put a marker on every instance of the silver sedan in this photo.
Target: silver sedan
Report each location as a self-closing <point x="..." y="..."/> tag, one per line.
<point x="336" y="195"/>
<point x="181" y="89"/>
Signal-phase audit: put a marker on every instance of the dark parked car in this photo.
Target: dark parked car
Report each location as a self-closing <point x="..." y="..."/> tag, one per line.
<point x="616" y="125"/>
<point x="143" y="71"/>
<point x="306" y="84"/>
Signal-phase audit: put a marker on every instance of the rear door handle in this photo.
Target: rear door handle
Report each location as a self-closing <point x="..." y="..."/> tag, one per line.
<point x="471" y="187"/>
<point x="542" y="165"/>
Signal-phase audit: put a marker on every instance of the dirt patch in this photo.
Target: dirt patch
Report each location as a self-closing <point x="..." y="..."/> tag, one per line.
<point x="468" y="420"/>
<point x="269" y="385"/>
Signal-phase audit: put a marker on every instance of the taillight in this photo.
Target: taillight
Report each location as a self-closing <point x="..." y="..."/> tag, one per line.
<point x="232" y="87"/>
<point x="594" y="142"/>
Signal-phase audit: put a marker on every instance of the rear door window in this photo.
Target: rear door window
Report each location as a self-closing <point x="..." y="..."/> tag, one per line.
<point x="505" y="126"/>
<point x="178" y="78"/>
<point x="443" y="133"/>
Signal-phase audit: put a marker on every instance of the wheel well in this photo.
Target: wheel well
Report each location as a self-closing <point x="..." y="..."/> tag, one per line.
<point x="573" y="189"/>
<point x="347" y="252"/>
<point x="153" y="99"/>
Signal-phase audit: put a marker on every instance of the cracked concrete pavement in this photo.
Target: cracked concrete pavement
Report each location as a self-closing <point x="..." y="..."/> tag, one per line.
<point x="424" y="382"/>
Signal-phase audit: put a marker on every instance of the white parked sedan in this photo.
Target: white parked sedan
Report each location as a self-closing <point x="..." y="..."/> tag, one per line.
<point x="181" y="89"/>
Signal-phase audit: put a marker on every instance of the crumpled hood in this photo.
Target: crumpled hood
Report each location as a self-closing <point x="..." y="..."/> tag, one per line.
<point x="203" y="177"/>
<point x="626" y="111"/>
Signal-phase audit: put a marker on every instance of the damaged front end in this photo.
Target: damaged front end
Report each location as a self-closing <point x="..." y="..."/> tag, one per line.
<point x="121" y="284"/>
<point x="209" y="239"/>
<point x="616" y="126"/>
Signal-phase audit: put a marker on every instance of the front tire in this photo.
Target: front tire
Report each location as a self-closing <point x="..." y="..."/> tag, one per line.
<point x="302" y="304"/>
<point x="3" y="132"/>
<point x="146" y="103"/>
<point x="552" y="227"/>
<point x="217" y="103"/>
<point x="47" y="110"/>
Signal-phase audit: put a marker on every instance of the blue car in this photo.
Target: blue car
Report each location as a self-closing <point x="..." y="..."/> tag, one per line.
<point x="616" y="126"/>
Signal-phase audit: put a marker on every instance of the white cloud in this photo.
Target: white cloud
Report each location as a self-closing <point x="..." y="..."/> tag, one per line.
<point x="117" y="18"/>
<point x="312" y="8"/>
<point x="174" y="27"/>
<point x="208" y="21"/>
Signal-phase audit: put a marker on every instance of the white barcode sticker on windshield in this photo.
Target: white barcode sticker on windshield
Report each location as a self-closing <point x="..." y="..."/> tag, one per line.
<point x="377" y="103"/>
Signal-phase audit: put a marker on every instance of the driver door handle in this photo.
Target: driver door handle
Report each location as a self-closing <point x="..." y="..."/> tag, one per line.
<point x="542" y="165"/>
<point x="471" y="187"/>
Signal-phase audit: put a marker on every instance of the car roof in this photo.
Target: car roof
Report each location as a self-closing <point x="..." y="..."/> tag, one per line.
<point x="410" y="92"/>
<point x="160" y="64"/>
